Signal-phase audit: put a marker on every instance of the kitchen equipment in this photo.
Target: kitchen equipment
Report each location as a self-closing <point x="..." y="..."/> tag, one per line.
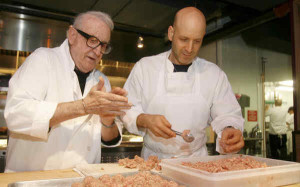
<point x="245" y="134"/>
<point x="69" y="181"/>
<point x="187" y="137"/>
<point x="256" y="132"/>
<point x="2" y="160"/>
<point x="279" y="173"/>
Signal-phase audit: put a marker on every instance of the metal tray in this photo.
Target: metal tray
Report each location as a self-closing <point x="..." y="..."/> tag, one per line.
<point x="65" y="182"/>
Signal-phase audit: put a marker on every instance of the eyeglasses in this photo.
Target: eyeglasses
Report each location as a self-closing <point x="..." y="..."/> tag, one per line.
<point x="93" y="42"/>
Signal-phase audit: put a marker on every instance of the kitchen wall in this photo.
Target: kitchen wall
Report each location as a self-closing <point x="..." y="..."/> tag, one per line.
<point x="209" y="52"/>
<point x="240" y="57"/>
<point x="243" y="68"/>
<point x="243" y="65"/>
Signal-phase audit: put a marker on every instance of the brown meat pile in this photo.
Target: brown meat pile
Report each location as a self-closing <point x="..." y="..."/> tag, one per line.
<point x="140" y="163"/>
<point x="143" y="178"/>
<point x="229" y="164"/>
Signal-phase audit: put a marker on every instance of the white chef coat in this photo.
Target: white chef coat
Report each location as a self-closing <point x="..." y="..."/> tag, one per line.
<point x="277" y="120"/>
<point x="290" y="121"/>
<point x="290" y="129"/>
<point x="45" y="79"/>
<point x="189" y="100"/>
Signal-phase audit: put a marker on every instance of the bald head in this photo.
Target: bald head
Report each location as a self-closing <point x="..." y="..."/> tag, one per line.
<point x="190" y="15"/>
<point x="278" y="102"/>
<point x="84" y="17"/>
<point x="186" y="34"/>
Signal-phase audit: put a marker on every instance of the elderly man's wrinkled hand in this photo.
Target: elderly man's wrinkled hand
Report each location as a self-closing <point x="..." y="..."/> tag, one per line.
<point x="232" y="140"/>
<point x="108" y="119"/>
<point x="98" y="101"/>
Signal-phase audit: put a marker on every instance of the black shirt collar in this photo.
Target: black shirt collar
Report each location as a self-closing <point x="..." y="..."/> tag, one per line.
<point x="81" y="78"/>
<point x="181" y="68"/>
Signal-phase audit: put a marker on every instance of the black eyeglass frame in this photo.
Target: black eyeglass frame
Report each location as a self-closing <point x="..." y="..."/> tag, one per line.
<point x="87" y="37"/>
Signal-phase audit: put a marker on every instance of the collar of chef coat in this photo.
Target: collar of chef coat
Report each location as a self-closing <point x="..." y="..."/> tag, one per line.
<point x="66" y="51"/>
<point x="170" y="67"/>
<point x="71" y="64"/>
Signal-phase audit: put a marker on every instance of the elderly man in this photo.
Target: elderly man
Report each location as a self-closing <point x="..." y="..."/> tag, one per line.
<point x="177" y="90"/>
<point x="57" y="111"/>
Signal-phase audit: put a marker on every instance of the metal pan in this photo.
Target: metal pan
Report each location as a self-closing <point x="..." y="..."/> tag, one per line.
<point x="69" y="181"/>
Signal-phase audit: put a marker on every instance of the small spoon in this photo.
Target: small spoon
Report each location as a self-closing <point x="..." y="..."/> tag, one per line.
<point x="188" y="137"/>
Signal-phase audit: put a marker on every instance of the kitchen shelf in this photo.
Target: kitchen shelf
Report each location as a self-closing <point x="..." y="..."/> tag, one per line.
<point x="252" y="139"/>
<point x="7" y="70"/>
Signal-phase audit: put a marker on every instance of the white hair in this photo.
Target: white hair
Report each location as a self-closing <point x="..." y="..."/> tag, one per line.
<point x="101" y="15"/>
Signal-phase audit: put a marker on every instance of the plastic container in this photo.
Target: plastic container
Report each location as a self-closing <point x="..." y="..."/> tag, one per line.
<point x="277" y="174"/>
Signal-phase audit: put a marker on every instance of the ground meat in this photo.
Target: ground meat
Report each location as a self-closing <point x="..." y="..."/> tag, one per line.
<point x="140" y="163"/>
<point x="185" y="133"/>
<point x="143" y="178"/>
<point x="77" y="184"/>
<point x="89" y="180"/>
<point x="229" y="164"/>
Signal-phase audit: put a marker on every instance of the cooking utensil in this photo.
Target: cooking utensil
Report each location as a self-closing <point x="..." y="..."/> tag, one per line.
<point x="188" y="137"/>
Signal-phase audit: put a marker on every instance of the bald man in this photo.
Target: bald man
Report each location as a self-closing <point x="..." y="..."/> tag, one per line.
<point x="176" y="90"/>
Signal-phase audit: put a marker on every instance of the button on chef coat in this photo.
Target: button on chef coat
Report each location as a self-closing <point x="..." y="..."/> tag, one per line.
<point x="45" y="79"/>
<point x="190" y="100"/>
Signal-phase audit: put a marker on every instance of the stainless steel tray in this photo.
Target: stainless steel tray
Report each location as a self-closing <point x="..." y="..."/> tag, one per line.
<point x="65" y="182"/>
<point x="47" y="183"/>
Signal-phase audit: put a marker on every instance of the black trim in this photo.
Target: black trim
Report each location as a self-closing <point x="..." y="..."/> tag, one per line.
<point x="112" y="142"/>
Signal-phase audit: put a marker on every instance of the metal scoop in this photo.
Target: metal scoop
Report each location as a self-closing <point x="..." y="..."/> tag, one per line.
<point x="188" y="137"/>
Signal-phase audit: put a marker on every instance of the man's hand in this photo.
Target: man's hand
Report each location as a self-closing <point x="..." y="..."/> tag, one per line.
<point x="157" y="124"/>
<point x="100" y="102"/>
<point x="232" y="140"/>
<point x="109" y="118"/>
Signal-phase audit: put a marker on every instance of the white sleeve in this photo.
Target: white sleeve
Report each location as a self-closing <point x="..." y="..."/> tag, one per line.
<point x="290" y="121"/>
<point x="289" y="118"/>
<point x="134" y="88"/>
<point x="225" y="110"/>
<point x="26" y="112"/>
<point x="268" y="112"/>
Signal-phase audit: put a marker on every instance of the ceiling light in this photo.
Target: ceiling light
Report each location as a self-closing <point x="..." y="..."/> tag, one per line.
<point x="284" y="88"/>
<point x="286" y="83"/>
<point x="140" y="42"/>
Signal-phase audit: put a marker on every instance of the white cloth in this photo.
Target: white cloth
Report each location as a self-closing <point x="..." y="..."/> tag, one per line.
<point x="45" y="79"/>
<point x="277" y="120"/>
<point x="290" y="121"/>
<point x="189" y="100"/>
<point x="290" y="129"/>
